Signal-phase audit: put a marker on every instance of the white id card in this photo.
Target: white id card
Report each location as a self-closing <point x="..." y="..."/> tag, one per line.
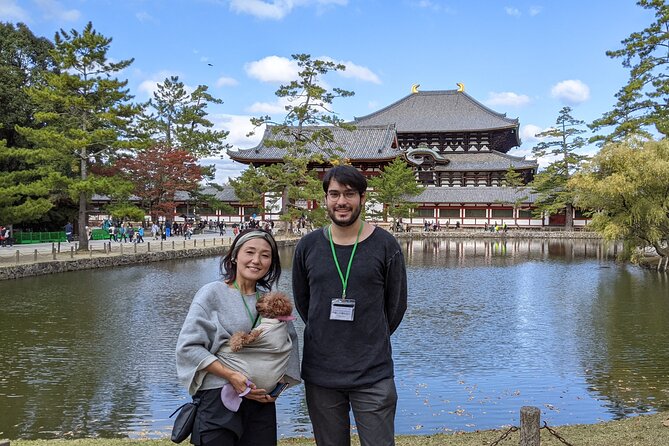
<point x="342" y="310"/>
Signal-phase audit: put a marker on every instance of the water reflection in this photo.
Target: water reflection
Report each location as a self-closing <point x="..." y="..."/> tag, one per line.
<point x="491" y="326"/>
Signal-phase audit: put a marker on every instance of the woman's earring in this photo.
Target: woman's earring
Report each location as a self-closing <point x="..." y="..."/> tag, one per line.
<point x="233" y="261"/>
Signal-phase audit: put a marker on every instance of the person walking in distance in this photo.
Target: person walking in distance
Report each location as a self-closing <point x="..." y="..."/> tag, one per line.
<point x="350" y="289"/>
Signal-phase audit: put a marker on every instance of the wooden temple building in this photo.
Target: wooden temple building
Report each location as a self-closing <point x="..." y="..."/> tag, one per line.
<point x="458" y="148"/>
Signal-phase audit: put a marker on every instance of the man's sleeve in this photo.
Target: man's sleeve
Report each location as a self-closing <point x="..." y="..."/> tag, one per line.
<point x="300" y="283"/>
<point x="396" y="291"/>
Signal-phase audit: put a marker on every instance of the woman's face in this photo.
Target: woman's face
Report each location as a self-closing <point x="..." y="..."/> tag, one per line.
<point x="253" y="260"/>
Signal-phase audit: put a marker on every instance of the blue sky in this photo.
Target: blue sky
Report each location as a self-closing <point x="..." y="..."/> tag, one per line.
<point x="527" y="59"/>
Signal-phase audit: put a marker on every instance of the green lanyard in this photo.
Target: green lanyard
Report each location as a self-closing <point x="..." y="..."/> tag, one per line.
<point x="344" y="281"/>
<point x="253" y="321"/>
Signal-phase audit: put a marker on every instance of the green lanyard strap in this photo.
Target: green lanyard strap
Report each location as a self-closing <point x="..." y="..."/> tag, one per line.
<point x="344" y="280"/>
<point x="253" y="321"/>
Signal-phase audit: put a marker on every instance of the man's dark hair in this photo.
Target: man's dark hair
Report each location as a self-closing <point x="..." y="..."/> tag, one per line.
<point x="346" y="175"/>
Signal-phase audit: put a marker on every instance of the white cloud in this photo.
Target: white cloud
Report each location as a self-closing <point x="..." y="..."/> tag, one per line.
<point x="11" y="12"/>
<point x="224" y="81"/>
<point x="238" y="126"/>
<point x="514" y="12"/>
<point x="571" y="92"/>
<point x="433" y="6"/>
<point x="354" y="71"/>
<point x="277" y="9"/>
<point x="53" y="10"/>
<point x="144" y="17"/>
<point x="271" y="108"/>
<point x="535" y="10"/>
<point x="507" y="98"/>
<point x="528" y="132"/>
<point x="149" y="86"/>
<point x="272" y="69"/>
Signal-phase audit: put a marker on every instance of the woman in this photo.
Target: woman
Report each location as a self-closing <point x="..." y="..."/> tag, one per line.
<point x="218" y="310"/>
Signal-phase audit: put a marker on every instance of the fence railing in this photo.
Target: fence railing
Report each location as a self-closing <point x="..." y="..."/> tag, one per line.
<point x="68" y="251"/>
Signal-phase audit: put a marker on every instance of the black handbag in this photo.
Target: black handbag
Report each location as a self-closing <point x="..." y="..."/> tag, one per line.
<point x="183" y="423"/>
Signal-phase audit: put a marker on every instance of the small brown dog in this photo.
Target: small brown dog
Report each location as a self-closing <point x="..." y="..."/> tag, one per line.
<point x="273" y="305"/>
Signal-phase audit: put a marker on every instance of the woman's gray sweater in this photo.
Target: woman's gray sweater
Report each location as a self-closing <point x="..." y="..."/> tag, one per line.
<point x="217" y="311"/>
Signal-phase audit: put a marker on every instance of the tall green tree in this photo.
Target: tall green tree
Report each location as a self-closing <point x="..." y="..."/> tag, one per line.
<point x="515" y="180"/>
<point x="24" y="58"/>
<point x="177" y="118"/>
<point x="251" y="187"/>
<point x="305" y="134"/>
<point x="643" y="103"/>
<point x="393" y="187"/>
<point x="627" y="186"/>
<point x="551" y="184"/>
<point x="28" y="183"/>
<point x="27" y="178"/>
<point x="85" y="115"/>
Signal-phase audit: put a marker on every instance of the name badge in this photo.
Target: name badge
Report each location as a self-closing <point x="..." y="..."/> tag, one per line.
<point x="342" y="310"/>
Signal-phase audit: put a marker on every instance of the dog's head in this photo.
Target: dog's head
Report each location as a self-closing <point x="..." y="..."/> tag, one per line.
<point x="274" y="304"/>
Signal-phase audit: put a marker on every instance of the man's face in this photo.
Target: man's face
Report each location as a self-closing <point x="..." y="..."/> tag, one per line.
<point x="343" y="203"/>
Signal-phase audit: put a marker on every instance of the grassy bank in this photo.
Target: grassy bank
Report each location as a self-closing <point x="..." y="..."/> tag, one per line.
<point x="646" y="430"/>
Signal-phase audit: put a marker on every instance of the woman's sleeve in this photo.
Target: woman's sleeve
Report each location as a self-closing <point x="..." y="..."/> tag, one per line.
<point x="193" y="348"/>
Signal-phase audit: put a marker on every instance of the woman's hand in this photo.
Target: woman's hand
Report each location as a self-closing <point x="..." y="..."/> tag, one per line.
<point x="237" y="379"/>
<point x="239" y="382"/>
<point x="260" y="395"/>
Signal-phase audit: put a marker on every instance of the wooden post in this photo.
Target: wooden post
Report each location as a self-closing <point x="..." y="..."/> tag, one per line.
<point x="35" y="256"/>
<point x="53" y="252"/>
<point x="17" y="256"/>
<point x="194" y="243"/>
<point x="172" y="245"/>
<point x="530" y="435"/>
<point x="121" y="248"/>
<point x="71" y="252"/>
<point x="184" y="243"/>
<point x="135" y="247"/>
<point x="161" y="245"/>
<point x="148" y="246"/>
<point x="58" y="247"/>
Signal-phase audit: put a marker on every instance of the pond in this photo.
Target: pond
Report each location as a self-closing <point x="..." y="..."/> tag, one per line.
<point x="491" y="326"/>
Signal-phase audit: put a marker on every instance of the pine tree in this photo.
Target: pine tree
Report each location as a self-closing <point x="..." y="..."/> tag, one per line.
<point x="305" y="134"/>
<point x="85" y="115"/>
<point x="551" y="183"/>
<point x="393" y="187"/>
<point x="178" y="119"/>
<point x="643" y="103"/>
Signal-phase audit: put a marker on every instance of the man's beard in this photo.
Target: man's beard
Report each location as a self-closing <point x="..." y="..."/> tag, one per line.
<point x="355" y="213"/>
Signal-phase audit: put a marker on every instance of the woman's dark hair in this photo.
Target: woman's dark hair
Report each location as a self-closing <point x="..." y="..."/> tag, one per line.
<point x="346" y="175"/>
<point x="229" y="268"/>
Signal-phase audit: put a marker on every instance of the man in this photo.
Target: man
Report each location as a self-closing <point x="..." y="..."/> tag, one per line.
<point x="68" y="232"/>
<point x="350" y="288"/>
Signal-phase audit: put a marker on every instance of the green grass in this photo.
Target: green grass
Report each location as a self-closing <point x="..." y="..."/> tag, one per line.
<point x="646" y="430"/>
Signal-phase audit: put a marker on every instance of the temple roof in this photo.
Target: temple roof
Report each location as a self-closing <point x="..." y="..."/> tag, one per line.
<point x="473" y="161"/>
<point x="474" y="195"/>
<point x="438" y="111"/>
<point x="376" y="142"/>
<point x="222" y="193"/>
